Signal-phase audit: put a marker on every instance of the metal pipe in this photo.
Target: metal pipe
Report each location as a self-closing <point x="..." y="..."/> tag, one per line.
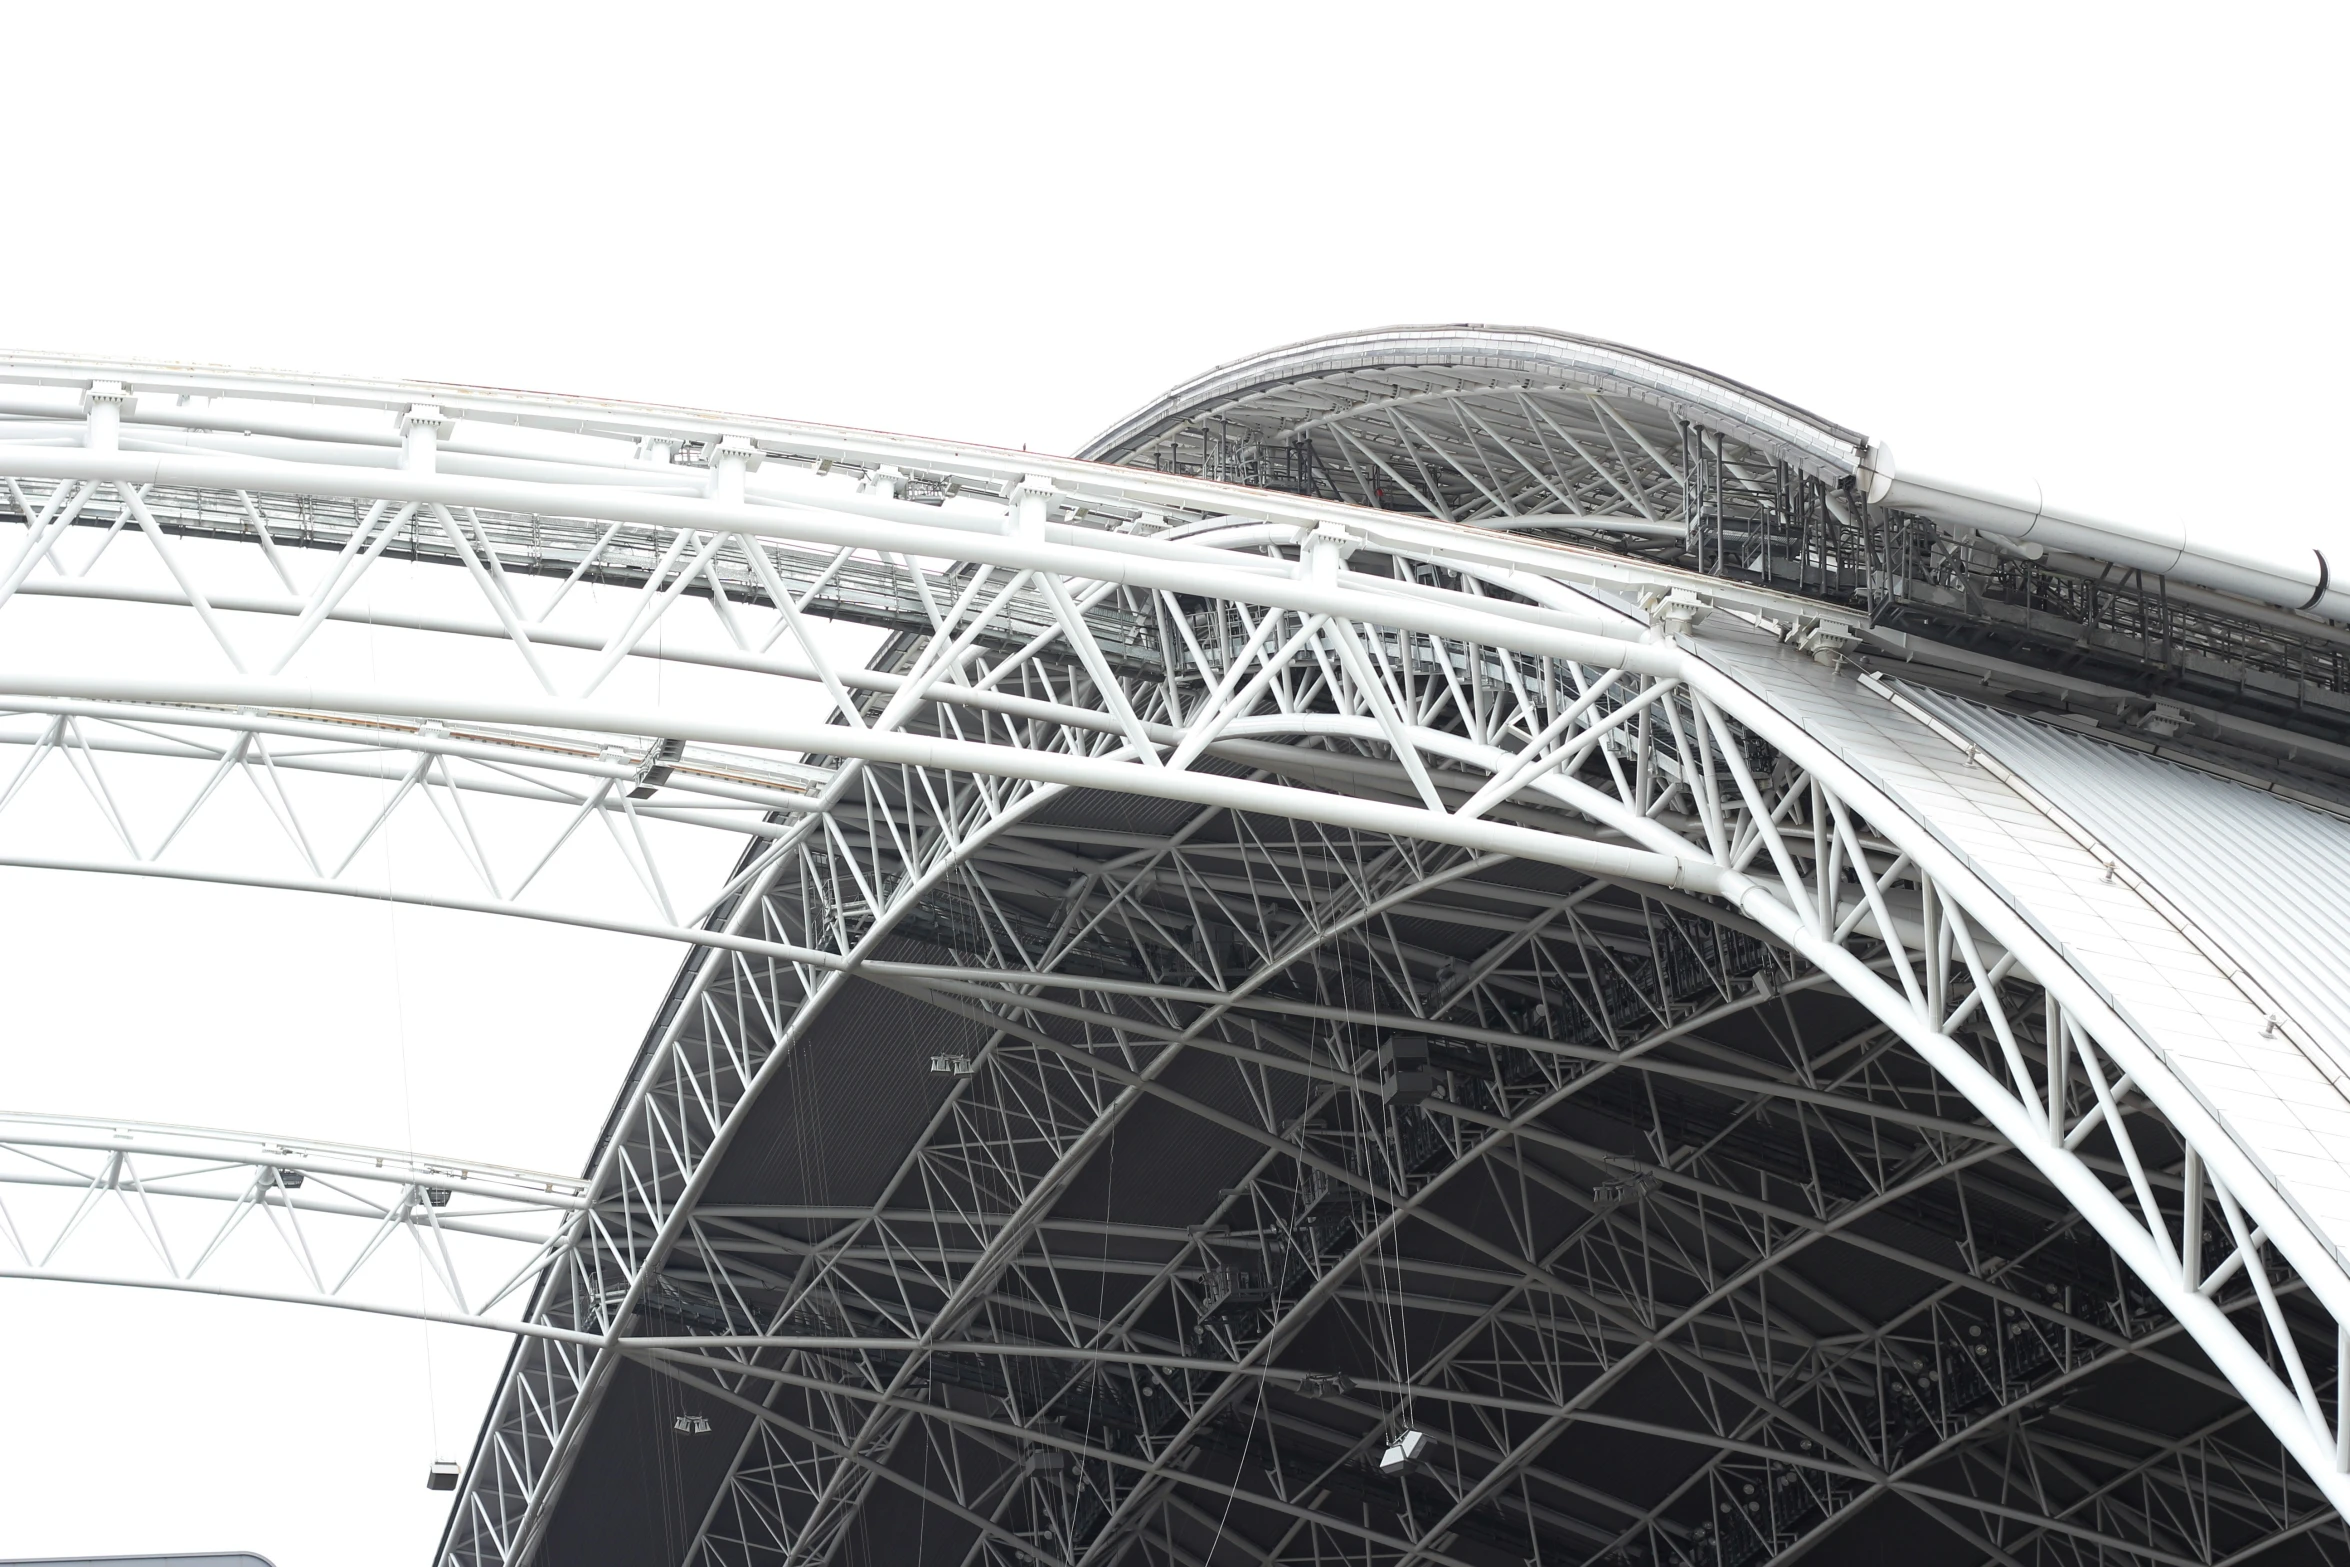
<point x="903" y="527"/>
<point x="1681" y="870"/>
<point x="2226" y="555"/>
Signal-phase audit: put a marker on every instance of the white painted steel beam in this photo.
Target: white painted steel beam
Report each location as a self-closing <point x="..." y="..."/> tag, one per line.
<point x="1361" y="725"/>
<point x="271" y="1218"/>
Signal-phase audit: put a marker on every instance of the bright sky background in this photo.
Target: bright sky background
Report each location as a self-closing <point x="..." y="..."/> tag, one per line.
<point x="2099" y="243"/>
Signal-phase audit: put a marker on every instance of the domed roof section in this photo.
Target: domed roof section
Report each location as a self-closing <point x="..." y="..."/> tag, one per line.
<point x="1481" y="424"/>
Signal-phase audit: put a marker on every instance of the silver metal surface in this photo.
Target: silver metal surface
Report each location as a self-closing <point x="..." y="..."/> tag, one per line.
<point x="2263" y="882"/>
<point x="1815" y="1141"/>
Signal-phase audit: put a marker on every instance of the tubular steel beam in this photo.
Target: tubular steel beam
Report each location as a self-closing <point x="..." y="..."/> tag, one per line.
<point x="1553" y="1006"/>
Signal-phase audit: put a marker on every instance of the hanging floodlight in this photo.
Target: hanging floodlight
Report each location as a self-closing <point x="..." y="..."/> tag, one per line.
<point x="442" y="1476"/>
<point x="953" y="1065"/>
<point x="1405" y="1454"/>
<point x="1404" y="1074"/>
<point x="691" y="1425"/>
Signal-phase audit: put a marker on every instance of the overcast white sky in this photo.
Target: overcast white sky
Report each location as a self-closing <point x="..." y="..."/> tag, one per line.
<point x="2100" y="243"/>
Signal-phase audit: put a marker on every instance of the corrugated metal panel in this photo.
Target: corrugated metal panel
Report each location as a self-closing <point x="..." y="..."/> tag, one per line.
<point x="2281" y="1105"/>
<point x="2267" y="880"/>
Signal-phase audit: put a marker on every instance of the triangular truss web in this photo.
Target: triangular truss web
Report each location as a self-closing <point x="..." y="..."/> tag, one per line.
<point x="225" y="1213"/>
<point x="1516" y="1008"/>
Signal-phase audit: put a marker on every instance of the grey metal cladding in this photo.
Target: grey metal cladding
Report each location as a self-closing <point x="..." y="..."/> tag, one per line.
<point x="2265" y="878"/>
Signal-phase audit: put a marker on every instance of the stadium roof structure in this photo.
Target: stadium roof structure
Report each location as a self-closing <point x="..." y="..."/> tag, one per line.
<point x="1462" y="946"/>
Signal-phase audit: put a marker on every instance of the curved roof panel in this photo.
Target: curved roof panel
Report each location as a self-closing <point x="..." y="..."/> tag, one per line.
<point x="2264" y="879"/>
<point x="1291" y="389"/>
<point x="2211" y="923"/>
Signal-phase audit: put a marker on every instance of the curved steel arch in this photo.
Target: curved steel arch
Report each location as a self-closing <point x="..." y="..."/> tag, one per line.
<point x="741" y="1537"/>
<point x="274" y="1218"/>
<point x="1510" y="427"/>
<point x="1332" y="721"/>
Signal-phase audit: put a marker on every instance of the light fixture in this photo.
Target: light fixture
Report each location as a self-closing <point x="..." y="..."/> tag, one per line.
<point x="691" y="1425"/>
<point x="657" y="768"/>
<point x="1405" y="1454"/>
<point x="953" y="1066"/>
<point x="1404" y="1075"/>
<point x="442" y="1476"/>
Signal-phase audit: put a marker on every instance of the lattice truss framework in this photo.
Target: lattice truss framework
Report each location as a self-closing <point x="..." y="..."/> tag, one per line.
<point x="1552" y="437"/>
<point x="1750" y="1105"/>
<point x="224" y="1213"/>
<point x="1425" y="440"/>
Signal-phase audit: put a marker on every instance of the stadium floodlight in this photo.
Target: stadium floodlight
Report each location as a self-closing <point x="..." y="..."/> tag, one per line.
<point x="1406" y="1453"/>
<point x="1405" y="1077"/>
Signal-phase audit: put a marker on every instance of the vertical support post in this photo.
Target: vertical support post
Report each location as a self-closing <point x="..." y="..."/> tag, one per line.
<point x="1688" y="478"/>
<point x="731" y="461"/>
<point x="103" y="406"/>
<point x="422" y="429"/>
<point x="1721" y="510"/>
<point x="2342" y="1398"/>
<point x="1643" y="770"/>
<point x="1032" y="501"/>
<point x="2060" y="1070"/>
<point x="1934" y="952"/>
<point x="2191" y="1222"/>
<point x="1824" y="866"/>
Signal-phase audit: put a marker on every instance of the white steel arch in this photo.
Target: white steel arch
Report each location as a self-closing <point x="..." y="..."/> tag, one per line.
<point x="1524" y="428"/>
<point x="1053" y="631"/>
<point x="288" y="1219"/>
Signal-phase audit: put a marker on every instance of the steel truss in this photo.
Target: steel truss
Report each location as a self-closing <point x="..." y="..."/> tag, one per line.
<point x="277" y="1218"/>
<point x="1514" y="429"/>
<point x="1707" y="1006"/>
<point x="1562" y="436"/>
<point x="839" y="1344"/>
